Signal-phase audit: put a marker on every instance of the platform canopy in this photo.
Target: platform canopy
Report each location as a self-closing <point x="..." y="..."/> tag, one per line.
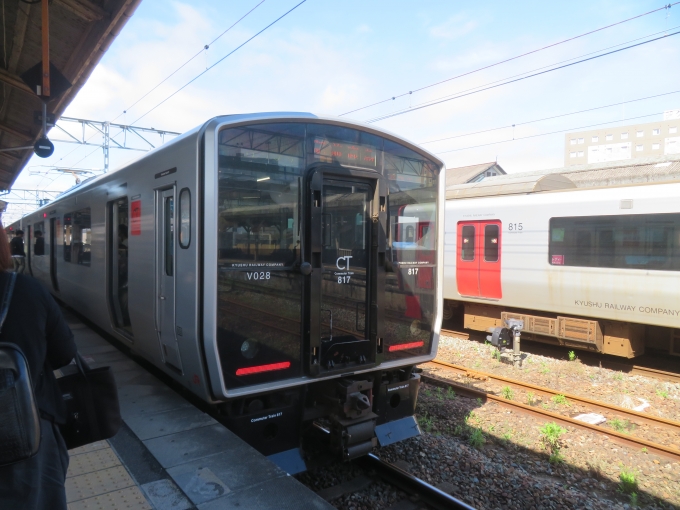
<point x="80" y="32"/>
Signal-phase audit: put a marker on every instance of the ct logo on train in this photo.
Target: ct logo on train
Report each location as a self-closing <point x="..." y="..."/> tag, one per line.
<point x="344" y="260"/>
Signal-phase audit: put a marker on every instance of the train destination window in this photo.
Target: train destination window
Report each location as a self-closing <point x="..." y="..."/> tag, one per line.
<point x="490" y="243"/>
<point x="77" y="237"/>
<point x="39" y="238"/>
<point x="467" y="252"/>
<point x="632" y="241"/>
<point x="185" y="218"/>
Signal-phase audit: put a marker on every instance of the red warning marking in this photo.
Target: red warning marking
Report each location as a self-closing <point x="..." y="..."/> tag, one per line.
<point x="136" y="218"/>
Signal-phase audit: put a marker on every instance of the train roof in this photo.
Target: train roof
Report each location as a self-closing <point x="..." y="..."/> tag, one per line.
<point x="614" y="174"/>
<point x="246" y="118"/>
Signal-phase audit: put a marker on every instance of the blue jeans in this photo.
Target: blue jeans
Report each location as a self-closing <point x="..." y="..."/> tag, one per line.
<point x="37" y="483"/>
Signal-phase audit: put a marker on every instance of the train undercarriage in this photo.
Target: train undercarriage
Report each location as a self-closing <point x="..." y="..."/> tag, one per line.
<point x="336" y="419"/>
<point x="624" y="339"/>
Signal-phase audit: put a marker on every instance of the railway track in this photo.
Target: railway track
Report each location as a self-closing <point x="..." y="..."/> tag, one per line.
<point x="632" y="441"/>
<point x="405" y="481"/>
<point x="588" y="357"/>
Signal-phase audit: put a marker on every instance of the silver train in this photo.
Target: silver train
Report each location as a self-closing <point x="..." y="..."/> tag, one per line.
<point x="283" y="267"/>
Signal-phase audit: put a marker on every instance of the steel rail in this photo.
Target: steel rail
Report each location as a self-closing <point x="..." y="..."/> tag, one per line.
<point x="624" y="439"/>
<point x="601" y="406"/>
<point x="644" y="371"/>
<point x="605" y="363"/>
<point x="406" y="481"/>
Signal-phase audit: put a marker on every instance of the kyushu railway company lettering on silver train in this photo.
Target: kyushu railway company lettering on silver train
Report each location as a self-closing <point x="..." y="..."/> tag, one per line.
<point x="628" y="308"/>
<point x="216" y="256"/>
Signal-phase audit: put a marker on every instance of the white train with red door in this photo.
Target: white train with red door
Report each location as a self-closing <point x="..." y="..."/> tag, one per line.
<point x="595" y="269"/>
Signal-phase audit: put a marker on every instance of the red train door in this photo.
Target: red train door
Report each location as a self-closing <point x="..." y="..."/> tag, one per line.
<point x="478" y="264"/>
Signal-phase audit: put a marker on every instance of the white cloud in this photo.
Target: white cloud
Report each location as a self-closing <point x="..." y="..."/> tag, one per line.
<point x="453" y="28"/>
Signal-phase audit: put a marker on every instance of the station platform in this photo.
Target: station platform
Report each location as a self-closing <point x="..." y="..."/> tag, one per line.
<point x="169" y="454"/>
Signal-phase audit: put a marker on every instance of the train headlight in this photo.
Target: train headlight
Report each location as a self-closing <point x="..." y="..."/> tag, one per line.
<point x="415" y="328"/>
<point x="249" y="348"/>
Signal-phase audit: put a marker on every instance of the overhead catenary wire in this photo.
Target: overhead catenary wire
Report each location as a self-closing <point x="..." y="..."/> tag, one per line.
<point x="477" y="87"/>
<point x="665" y="6"/>
<point x="205" y="47"/>
<point x="219" y="61"/>
<point x="508" y="82"/>
<point x="549" y="133"/>
<point x="551" y="117"/>
<point x="203" y="72"/>
<point x="167" y="78"/>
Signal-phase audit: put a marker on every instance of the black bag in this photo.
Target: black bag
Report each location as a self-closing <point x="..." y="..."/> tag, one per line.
<point x="91" y="399"/>
<point x="19" y="418"/>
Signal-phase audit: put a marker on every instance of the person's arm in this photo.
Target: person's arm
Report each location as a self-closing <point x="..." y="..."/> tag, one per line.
<point x="61" y="348"/>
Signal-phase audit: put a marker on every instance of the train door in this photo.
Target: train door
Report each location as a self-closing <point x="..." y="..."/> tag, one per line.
<point x="478" y="263"/>
<point x="345" y="229"/>
<point x="54" y="228"/>
<point x="165" y="276"/>
<point x="118" y="232"/>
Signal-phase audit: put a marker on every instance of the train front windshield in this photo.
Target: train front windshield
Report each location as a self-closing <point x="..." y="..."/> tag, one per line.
<point x="267" y="226"/>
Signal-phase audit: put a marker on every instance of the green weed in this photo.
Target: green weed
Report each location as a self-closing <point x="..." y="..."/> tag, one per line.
<point x="644" y="450"/>
<point x="628" y="481"/>
<point x="477" y="364"/>
<point x="507" y="437"/>
<point x="618" y="376"/>
<point x="633" y="497"/>
<point x="530" y="398"/>
<point x="544" y="368"/>
<point x="662" y="393"/>
<point x="572" y="356"/>
<point x="550" y="436"/>
<point x="450" y="394"/>
<point x="507" y="393"/>
<point x="426" y="422"/>
<point x="479" y="401"/>
<point x="476" y="439"/>
<point x="621" y="425"/>
<point x="556" y="458"/>
<point x="470" y="417"/>
<point x="560" y="400"/>
<point x="496" y="354"/>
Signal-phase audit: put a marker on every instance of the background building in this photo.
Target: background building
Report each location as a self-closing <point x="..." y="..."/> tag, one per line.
<point x="660" y="138"/>
<point x="472" y="173"/>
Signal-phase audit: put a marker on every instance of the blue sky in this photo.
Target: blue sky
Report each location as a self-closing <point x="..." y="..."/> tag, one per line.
<point x="330" y="57"/>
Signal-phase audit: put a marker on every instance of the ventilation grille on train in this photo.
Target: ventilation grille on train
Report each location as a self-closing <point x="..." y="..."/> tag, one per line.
<point x="534" y="324"/>
<point x="577" y="329"/>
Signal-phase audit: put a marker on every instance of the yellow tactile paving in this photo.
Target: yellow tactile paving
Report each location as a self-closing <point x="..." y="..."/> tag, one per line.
<point x="130" y="498"/>
<point x="95" y="484"/>
<point x="99" y="445"/>
<point x="92" y="461"/>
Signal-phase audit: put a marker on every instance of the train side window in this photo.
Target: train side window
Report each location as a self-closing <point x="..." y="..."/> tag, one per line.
<point x="78" y="237"/>
<point x="491" y="243"/>
<point x="185" y="218"/>
<point x="39" y="239"/>
<point x="468" y="243"/>
<point x="631" y="241"/>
